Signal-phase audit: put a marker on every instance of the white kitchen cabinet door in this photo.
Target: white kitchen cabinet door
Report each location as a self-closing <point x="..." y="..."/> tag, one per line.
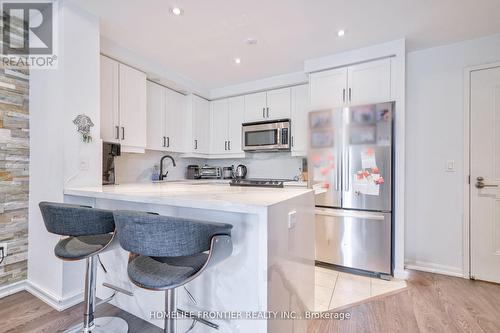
<point x="255" y="107"/>
<point x="220" y="110"/>
<point x="369" y="82"/>
<point x="236" y="111"/>
<point x="328" y="89"/>
<point x="110" y="116"/>
<point x="132" y="99"/>
<point x="175" y="121"/>
<point x="278" y="104"/>
<point x="155" y="116"/>
<point x="299" y="120"/>
<point x="201" y="125"/>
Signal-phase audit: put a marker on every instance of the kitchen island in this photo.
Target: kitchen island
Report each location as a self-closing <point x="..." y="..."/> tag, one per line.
<point x="269" y="274"/>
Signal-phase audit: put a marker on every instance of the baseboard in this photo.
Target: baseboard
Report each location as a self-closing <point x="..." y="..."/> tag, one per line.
<point x="434" y="268"/>
<point x="53" y="300"/>
<point x="13" y="288"/>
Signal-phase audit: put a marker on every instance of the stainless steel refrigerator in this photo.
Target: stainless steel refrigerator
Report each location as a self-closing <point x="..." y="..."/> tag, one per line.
<point x="350" y="167"/>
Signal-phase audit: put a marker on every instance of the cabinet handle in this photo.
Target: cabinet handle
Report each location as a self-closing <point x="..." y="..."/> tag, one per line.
<point x="168" y="141"/>
<point x="229" y="145"/>
<point x="343" y="95"/>
<point x="263" y="112"/>
<point x="291" y="141"/>
<point x="123" y="133"/>
<point x="350" y="99"/>
<point x="164" y="140"/>
<point x="267" y="112"/>
<point x="225" y="145"/>
<point x="117" y="132"/>
<point x="195" y="144"/>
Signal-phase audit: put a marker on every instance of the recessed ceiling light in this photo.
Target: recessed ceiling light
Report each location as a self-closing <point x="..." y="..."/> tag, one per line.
<point x="341" y="33"/>
<point x="251" y="41"/>
<point x="237" y="61"/>
<point x="176" y="11"/>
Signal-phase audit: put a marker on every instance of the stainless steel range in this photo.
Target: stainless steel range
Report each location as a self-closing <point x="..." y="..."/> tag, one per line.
<point x="259" y="182"/>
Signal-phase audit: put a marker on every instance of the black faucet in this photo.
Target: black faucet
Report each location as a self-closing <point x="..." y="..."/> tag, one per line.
<point x="163" y="176"/>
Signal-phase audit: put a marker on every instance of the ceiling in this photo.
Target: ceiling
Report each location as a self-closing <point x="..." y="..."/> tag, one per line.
<point x="202" y="43"/>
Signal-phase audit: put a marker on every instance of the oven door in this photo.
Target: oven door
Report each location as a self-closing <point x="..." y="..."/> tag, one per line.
<point x="266" y="136"/>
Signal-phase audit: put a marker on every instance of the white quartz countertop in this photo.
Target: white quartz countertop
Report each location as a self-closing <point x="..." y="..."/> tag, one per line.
<point x="194" y="194"/>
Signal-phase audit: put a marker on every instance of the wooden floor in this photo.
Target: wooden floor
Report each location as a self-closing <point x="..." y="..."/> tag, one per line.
<point x="431" y="303"/>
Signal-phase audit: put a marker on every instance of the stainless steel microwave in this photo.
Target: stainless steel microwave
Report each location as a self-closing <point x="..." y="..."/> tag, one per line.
<point x="266" y="136"/>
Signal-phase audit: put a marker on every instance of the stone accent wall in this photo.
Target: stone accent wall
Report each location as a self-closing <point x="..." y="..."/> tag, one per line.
<point x="14" y="172"/>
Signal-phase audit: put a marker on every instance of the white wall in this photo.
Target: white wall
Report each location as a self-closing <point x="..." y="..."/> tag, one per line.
<point x="56" y="97"/>
<point x="434" y="134"/>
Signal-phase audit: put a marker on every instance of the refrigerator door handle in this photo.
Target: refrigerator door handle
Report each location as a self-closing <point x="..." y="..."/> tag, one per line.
<point x="347" y="176"/>
<point x="347" y="213"/>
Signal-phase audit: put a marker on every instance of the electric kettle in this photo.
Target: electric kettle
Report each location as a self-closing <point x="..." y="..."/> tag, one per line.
<point x="240" y="172"/>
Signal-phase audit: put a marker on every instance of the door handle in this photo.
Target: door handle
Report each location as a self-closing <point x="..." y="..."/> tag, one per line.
<point x="347" y="171"/>
<point x="480" y="183"/>
<point x="123" y="133"/>
<point x="117" y="132"/>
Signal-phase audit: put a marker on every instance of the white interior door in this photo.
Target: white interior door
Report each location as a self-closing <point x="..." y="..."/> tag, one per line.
<point x="485" y="174"/>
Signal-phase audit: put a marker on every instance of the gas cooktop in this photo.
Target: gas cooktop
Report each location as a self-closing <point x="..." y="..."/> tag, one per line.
<point x="259" y="182"/>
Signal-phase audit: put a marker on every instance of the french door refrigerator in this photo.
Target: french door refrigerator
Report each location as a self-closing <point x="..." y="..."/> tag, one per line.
<point x="350" y="166"/>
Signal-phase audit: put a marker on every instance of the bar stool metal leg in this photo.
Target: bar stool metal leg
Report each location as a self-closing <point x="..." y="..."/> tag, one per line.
<point x="171" y="311"/>
<point x="90" y="277"/>
<point x="91" y="324"/>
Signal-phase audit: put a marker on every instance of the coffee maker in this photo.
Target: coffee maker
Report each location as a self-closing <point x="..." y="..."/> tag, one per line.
<point x="109" y="152"/>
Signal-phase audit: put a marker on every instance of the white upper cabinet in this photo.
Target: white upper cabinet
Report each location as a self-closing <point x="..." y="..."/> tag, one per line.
<point x="328" y="89"/>
<point x="369" y="82"/>
<point x="123" y="104"/>
<point x="236" y="111"/>
<point x="200" y="125"/>
<point x="268" y="105"/>
<point x="220" y="121"/>
<point x="110" y="114"/>
<point x="299" y="120"/>
<point x="278" y="104"/>
<point x="156" y="116"/>
<point x="175" y="121"/>
<point x="365" y="83"/>
<point x="166" y="119"/>
<point x="227" y="117"/>
<point x="255" y="107"/>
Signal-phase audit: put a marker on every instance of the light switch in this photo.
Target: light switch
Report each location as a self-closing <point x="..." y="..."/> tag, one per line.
<point x="292" y="219"/>
<point x="450" y="166"/>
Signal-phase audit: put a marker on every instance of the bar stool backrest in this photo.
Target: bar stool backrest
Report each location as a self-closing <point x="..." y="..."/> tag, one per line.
<point x="163" y="236"/>
<point x="75" y="220"/>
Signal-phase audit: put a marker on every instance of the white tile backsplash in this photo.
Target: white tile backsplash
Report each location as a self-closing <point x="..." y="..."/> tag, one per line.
<point x="138" y="167"/>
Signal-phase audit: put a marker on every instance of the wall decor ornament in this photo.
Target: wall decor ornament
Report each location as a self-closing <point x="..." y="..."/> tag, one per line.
<point x="83" y="124"/>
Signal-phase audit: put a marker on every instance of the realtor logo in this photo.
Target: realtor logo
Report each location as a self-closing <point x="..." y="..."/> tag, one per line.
<point x="28" y="36"/>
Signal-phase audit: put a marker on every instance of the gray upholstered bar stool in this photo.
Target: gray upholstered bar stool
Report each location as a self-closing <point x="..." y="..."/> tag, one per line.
<point x="90" y="231"/>
<point x="170" y="253"/>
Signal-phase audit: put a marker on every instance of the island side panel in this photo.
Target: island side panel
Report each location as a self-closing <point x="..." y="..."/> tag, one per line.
<point x="291" y="261"/>
<point x="237" y="284"/>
